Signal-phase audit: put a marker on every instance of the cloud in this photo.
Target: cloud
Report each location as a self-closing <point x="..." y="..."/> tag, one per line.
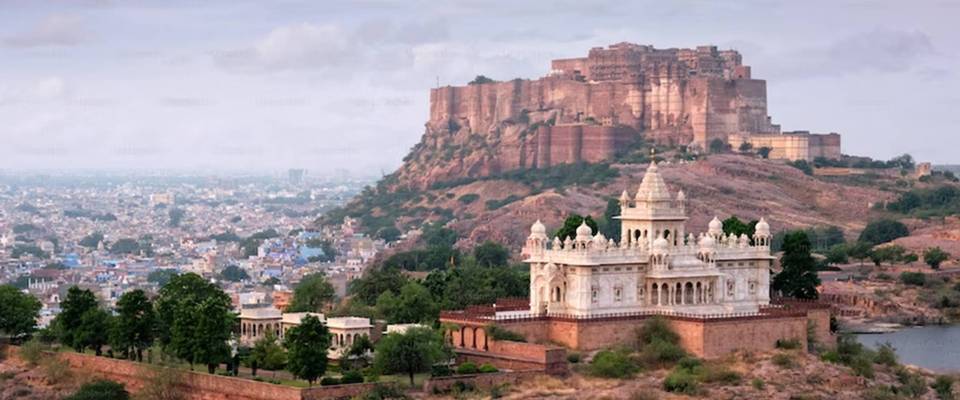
<point x="55" y="30"/>
<point x="297" y="46"/>
<point x="877" y="51"/>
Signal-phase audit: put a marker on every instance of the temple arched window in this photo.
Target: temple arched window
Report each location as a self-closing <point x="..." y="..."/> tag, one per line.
<point x="617" y="293"/>
<point x="594" y="294"/>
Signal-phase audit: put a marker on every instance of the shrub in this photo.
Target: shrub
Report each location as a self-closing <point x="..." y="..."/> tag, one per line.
<point x="162" y="384"/>
<point x="912" y="385"/>
<point x="440" y="370"/>
<point x="788" y="344"/>
<point x="55" y="370"/>
<point x="886" y="355"/>
<point x="661" y="353"/>
<point x="689" y="363"/>
<point x="498" y="333"/>
<point x="612" y="364"/>
<point x="487" y="368"/>
<point x="882" y="231"/>
<point x="383" y="392"/>
<point x="862" y="365"/>
<point x="681" y="381"/>
<point x="719" y="374"/>
<point x="783" y="360"/>
<point x="758" y="384"/>
<point x="329" y="381"/>
<point x="100" y="390"/>
<point x="468" y="198"/>
<point x="943" y="386"/>
<point x="467" y="368"/>
<point x="351" y="377"/>
<point x="655" y="329"/>
<point x="32" y="351"/>
<point x="913" y="278"/>
<point x="573" y="358"/>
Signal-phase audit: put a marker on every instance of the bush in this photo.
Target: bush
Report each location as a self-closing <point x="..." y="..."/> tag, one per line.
<point x="689" y="363"/>
<point x="758" y="384"/>
<point x="943" y="386"/>
<point x="719" y="374"/>
<point x="100" y="390"/>
<point x="468" y="198"/>
<point x="487" y="369"/>
<point x="32" y="351"/>
<point x="467" y="368"/>
<point x="351" y="377"/>
<point x="681" y="381"/>
<point x="612" y="364"/>
<point x="913" y="278"/>
<point x="783" y="360"/>
<point x="886" y="355"/>
<point x="912" y="385"/>
<point x="882" y="231"/>
<point x="498" y="333"/>
<point x="440" y="370"/>
<point x="788" y="344"/>
<point x="862" y="365"/>
<point x="383" y="392"/>
<point x="661" y="353"/>
<point x="654" y="329"/>
<point x="573" y="358"/>
<point x="55" y="370"/>
<point x="329" y="381"/>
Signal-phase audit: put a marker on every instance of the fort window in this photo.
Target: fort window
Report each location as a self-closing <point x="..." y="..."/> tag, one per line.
<point x="617" y="291"/>
<point x="594" y="294"/>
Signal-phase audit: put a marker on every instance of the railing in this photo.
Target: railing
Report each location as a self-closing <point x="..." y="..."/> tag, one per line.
<point x="773" y="311"/>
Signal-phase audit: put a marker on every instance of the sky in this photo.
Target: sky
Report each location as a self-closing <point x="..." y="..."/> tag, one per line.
<point x="327" y="85"/>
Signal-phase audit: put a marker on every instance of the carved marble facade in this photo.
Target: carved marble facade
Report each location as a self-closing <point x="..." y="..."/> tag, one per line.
<point x="657" y="265"/>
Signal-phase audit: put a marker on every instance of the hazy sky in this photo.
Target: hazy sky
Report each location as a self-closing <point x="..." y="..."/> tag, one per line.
<point x="324" y="85"/>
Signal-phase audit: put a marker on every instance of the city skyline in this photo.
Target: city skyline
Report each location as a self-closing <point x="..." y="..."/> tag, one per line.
<point x="224" y="86"/>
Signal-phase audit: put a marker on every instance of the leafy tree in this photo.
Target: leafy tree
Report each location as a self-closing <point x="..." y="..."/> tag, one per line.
<point x="764" y="152"/>
<point x="125" y="246"/>
<point x="311" y="294"/>
<point x="471" y="285"/>
<point x="133" y="331"/>
<point x="803" y="165"/>
<point x="934" y="256"/>
<point x="414" y="304"/>
<point x="717" y="146"/>
<point x="798" y="278"/>
<point x="490" y="254"/>
<point x="360" y="351"/>
<point x="746" y="147"/>
<point x="271" y="281"/>
<point x="570" y="225"/>
<point x="234" y="273"/>
<point x="194" y="320"/>
<point x="267" y="352"/>
<point x="837" y="254"/>
<point x="94" y="330"/>
<point x="73" y="309"/>
<point x="100" y="390"/>
<point x="892" y="253"/>
<point x="375" y="281"/>
<point x="436" y="235"/>
<point x="176" y="216"/>
<point x="161" y="276"/>
<point x="413" y="351"/>
<point x="307" y="345"/>
<point x="480" y="79"/>
<point x="735" y="226"/>
<point x="18" y="312"/>
<point x="860" y="251"/>
<point x="882" y="231"/>
<point x="92" y="240"/>
<point x="388" y="234"/>
<point x="611" y="226"/>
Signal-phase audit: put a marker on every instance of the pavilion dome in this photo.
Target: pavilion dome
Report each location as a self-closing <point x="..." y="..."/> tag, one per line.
<point x="538" y="229"/>
<point x="584" y="232"/>
<point x="715" y="227"/>
<point x="660" y="245"/>
<point x="763" y="228"/>
<point x="652" y="187"/>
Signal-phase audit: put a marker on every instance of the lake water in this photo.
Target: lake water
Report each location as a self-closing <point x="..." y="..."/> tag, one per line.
<point x="935" y="347"/>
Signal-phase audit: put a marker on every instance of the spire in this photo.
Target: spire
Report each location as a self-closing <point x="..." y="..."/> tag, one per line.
<point x="653" y="188"/>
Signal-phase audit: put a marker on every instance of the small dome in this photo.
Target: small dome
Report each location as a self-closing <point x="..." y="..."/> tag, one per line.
<point x="624" y="197"/>
<point x="763" y="228"/>
<point x="660" y="245"/>
<point x="707" y="242"/>
<point x="537" y="229"/>
<point x="681" y="196"/>
<point x="584" y="232"/>
<point x="716" y="227"/>
<point x="599" y="240"/>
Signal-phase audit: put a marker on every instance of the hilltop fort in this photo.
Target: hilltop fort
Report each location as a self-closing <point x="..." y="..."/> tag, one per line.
<point x="586" y="109"/>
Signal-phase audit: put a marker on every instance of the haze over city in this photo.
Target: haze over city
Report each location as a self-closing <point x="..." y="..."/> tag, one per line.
<point x="224" y="85"/>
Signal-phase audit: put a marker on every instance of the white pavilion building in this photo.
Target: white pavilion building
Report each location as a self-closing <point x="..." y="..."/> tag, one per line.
<point x="656" y="267"/>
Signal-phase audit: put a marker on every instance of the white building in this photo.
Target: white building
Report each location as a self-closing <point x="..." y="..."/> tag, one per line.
<point x="656" y="267"/>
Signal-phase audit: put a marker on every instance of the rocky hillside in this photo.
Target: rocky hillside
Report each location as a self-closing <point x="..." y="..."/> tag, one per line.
<point x="501" y="207"/>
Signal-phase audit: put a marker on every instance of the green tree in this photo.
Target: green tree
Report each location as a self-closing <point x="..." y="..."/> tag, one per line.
<point x="746" y="147"/>
<point x="798" y="279"/>
<point x="307" y="346"/>
<point x="194" y="320"/>
<point x="388" y="234"/>
<point x="311" y="294"/>
<point x="375" y="281"/>
<point x="891" y="254"/>
<point x="490" y="254"/>
<point x="161" y="276"/>
<point x="480" y="79"/>
<point x="882" y="231"/>
<point x="837" y="254"/>
<point x="94" y="330"/>
<point x="125" y="246"/>
<point x="413" y="304"/>
<point x="570" y="225"/>
<point x="73" y="308"/>
<point x="100" y="390"/>
<point x="436" y="235"/>
<point x="92" y="240"/>
<point x="413" y="351"/>
<point x="133" y="331"/>
<point x="735" y="226"/>
<point x="860" y="251"/>
<point x="234" y="273"/>
<point x="176" y="216"/>
<point x="360" y="350"/>
<point x="268" y="353"/>
<point x="18" y="312"/>
<point x="764" y="152"/>
<point x="611" y="225"/>
<point x="717" y="146"/>
<point x="934" y="256"/>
